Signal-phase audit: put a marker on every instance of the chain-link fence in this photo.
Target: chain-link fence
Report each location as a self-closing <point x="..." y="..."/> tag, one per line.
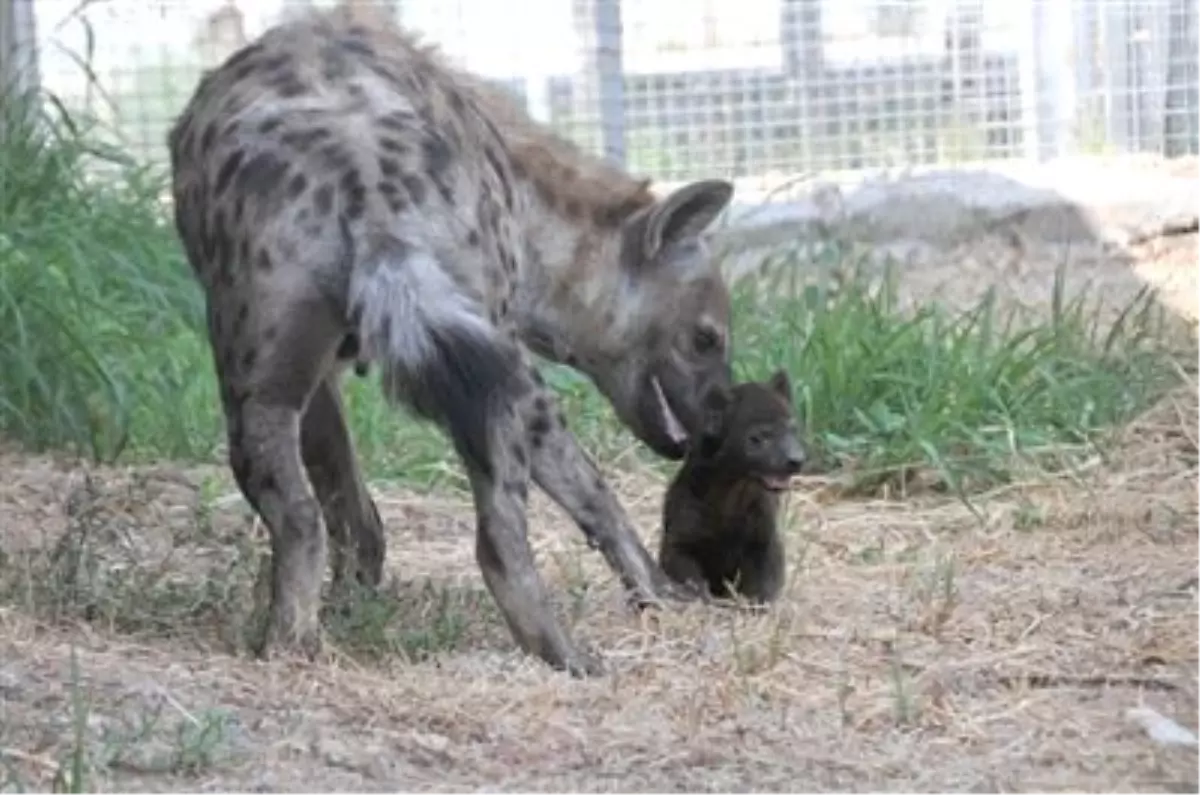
<point x="678" y="89"/>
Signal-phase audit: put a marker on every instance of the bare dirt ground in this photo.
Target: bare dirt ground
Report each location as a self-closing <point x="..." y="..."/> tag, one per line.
<point x="918" y="647"/>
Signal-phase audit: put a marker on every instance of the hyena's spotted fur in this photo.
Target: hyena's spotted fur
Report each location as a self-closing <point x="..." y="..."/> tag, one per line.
<point x="344" y="194"/>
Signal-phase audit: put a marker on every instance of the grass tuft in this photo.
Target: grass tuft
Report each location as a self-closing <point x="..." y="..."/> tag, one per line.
<point x="962" y="399"/>
<point x="103" y="351"/>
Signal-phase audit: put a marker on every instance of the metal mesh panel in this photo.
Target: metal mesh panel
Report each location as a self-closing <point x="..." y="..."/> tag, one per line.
<point x="678" y="89"/>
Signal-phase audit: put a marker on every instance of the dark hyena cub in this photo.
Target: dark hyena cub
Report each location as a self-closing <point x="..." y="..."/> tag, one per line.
<point x="344" y="194"/>
<point x="720" y="511"/>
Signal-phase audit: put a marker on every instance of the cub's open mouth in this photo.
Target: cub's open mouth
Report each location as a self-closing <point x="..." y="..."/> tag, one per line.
<point x="671" y="423"/>
<point x="777" y="482"/>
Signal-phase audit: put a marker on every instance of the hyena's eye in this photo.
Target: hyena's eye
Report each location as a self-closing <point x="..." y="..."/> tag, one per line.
<point x="706" y="339"/>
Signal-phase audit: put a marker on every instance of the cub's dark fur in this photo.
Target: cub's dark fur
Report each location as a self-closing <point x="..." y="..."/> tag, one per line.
<point x="720" y="511"/>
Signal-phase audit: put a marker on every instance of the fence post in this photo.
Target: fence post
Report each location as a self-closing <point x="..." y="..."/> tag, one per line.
<point x="18" y="47"/>
<point x="1053" y="85"/>
<point x="600" y="93"/>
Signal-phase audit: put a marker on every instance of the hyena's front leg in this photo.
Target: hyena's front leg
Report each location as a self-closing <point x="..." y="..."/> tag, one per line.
<point x="505" y="558"/>
<point x="355" y="530"/>
<point x="564" y="471"/>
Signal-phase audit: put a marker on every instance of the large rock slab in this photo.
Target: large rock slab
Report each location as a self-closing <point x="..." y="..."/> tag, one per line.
<point x="1078" y="205"/>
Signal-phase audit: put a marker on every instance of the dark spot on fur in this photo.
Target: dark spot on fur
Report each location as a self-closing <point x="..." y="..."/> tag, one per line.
<point x="415" y="187"/>
<point x="457" y="103"/>
<point x="562" y="420"/>
<point x="269" y="125"/>
<point x="244" y="55"/>
<point x="392" y="145"/>
<point x="268" y="483"/>
<point x="336" y="157"/>
<point x="356" y="194"/>
<point x="228" y="168"/>
<point x="501" y="175"/>
<point x="323" y="200"/>
<point x="573" y="209"/>
<point x="334" y="65"/>
<point x="304" y="140"/>
<point x="208" y="138"/>
<point x="297" y="186"/>
<point x="472" y="238"/>
<point x="249" y="358"/>
<point x="389" y="167"/>
<point x="438" y="156"/>
<point x="397" y="121"/>
<point x="264" y="263"/>
<point x="357" y="46"/>
<point x="391" y="193"/>
<point x="503" y="307"/>
<point x="286" y="84"/>
<point x="261" y="175"/>
<point x="276" y="62"/>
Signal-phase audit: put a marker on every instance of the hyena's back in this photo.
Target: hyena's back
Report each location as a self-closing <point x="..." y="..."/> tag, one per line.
<point x="356" y="174"/>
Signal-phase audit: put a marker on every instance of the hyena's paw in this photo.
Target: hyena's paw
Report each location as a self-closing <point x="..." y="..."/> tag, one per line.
<point x="282" y="627"/>
<point x="666" y="592"/>
<point x="581" y="663"/>
<point x="285" y="638"/>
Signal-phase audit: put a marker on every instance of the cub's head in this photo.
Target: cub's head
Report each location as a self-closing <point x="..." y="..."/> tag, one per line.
<point x="669" y="340"/>
<point x="749" y="431"/>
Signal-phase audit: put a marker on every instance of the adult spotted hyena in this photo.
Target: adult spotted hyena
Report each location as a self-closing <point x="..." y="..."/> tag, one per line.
<point x="345" y="194"/>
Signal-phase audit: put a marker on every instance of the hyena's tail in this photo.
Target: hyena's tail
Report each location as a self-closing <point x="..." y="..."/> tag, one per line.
<point x="438" y="353"/>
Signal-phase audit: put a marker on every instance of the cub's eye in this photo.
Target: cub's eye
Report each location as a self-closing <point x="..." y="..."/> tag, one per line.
<point x="706" y="340"/>
<point x="756" y="438"/>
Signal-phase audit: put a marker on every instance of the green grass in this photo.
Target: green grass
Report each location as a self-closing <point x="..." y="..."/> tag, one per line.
<point x="102" y="349"/>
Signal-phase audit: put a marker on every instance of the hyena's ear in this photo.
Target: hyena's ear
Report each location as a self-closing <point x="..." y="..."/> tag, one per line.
<point x="781" y="384"/>
<point x="685" y="213"/>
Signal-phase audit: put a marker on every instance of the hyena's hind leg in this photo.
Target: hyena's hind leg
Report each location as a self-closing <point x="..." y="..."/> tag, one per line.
<point x="355" y="530"/>
<point x="267" y="380"/>
<point x="562" y="469"/>
<point x="441" y="356"/>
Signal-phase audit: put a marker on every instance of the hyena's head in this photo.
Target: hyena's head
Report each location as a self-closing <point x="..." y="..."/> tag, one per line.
<point x="749" y="432"/>
<point x="670" y="340"/>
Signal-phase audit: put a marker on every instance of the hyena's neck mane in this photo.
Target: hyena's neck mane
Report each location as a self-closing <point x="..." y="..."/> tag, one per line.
<point x="577" y="202"/>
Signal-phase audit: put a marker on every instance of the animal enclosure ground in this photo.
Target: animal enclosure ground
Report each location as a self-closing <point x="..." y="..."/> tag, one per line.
<point x="915" y="648"/>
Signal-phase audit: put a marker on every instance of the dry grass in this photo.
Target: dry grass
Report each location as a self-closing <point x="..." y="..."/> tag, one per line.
<point x="915" y="648"/>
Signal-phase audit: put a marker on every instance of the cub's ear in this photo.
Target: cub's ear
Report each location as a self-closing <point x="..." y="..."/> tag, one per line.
<point x="781" y="384"/>
<point x="713" y="407"/>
